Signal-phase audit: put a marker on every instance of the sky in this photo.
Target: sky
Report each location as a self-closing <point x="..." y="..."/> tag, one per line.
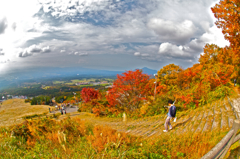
<point x="105" y="34"/>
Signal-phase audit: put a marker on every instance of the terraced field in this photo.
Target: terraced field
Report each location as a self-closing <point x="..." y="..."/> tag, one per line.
<point x="215" y="117"/>
<point x="218" y="116"/>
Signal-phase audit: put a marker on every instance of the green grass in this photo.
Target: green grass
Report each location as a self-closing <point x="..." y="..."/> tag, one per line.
<point x="58" y="82"/>
<point x="70" y="83"/>
<point x="87" y="85"/>
<point x="83" y="80"/>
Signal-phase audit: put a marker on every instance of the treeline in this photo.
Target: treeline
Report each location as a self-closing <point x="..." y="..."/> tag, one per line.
<point x="36" y="90"/>
<point x="41" y="100"/>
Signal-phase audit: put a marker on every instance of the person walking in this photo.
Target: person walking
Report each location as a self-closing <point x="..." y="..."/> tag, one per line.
<point x="171" y="114"/>
<point x="235" y="81"/>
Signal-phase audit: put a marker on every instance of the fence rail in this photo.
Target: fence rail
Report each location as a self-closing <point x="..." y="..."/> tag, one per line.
<point x="220" y="150"/>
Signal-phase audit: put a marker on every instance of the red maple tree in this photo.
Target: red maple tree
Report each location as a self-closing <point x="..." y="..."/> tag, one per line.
<point x="89" y="94"/>
<point x="128" y="91"/>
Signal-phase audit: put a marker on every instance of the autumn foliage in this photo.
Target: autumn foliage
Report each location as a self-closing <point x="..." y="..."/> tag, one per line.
<point x="227" y="14"/>
<point x="129" y="90"/>
<point x="105" y="136"/>
<point x="88" y="94"/>
<point x="74" y="138"/>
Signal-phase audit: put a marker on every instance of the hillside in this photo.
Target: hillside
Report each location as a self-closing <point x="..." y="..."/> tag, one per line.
<point x="204" y="122"/>
<point x="12" y="111"/>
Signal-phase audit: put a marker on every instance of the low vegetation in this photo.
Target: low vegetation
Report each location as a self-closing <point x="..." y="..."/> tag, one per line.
<point x="74" y="138"/>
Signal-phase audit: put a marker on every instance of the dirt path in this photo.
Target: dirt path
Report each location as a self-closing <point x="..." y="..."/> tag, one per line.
<point x="68" y="110"/>
<point x="214" y="117"/>
<point x="236" y="102"/>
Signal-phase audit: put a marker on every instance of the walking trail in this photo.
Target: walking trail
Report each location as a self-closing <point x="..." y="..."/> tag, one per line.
<point x="214" y="117"/>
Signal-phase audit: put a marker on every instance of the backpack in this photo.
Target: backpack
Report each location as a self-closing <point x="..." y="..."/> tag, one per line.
<point x="173" y="111"/>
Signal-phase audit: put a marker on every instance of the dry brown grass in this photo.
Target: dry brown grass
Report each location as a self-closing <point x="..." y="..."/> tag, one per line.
<point x="12" y="111"/>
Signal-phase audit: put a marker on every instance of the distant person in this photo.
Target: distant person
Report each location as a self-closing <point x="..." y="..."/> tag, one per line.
<point x="235" y="82"/>
<point x="61" y="111"/>
<point x="171" y="114"/>
<point x="49" y="110"/>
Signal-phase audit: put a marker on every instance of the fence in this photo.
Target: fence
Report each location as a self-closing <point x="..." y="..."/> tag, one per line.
<point x="220" y="150"/>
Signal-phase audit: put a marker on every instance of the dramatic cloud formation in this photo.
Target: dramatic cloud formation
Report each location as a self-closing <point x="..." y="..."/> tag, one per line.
<point x="179" y="33"/>
<point x="151" y="33"/>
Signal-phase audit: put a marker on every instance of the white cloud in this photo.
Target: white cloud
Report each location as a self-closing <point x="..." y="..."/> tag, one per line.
<point x="137" y="54"/>
<point x="179" y="33"/>
<point x="46" y="49"/>
<point x="81" y="54"/>
<point x="3" y="24"/>
<point x="1" y="52"/>
<point x="174" y="51"/>
<point x="62" y="51"/>
<point x="32" y="50"/>
<point x="24" y="53"/>
<point x="213" y="35"/>
<point x="14" y="26"/>
<point x="71" y="8"/>
<point x="4" y="61"/>
<point x="142" y="55"/>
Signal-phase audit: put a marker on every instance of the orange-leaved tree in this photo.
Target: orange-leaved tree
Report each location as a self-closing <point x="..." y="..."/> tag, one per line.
<point x="216" y="69"/>
<point x="128" y="91"/>
<point x="227" y="13"/>
<point x="88" y="94"/>
<point x="170" y="76"/>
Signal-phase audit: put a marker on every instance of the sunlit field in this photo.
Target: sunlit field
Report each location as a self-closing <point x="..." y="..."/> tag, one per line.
<point x="12" y="111"/>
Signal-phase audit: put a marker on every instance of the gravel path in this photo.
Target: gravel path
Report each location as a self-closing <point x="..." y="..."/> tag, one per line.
<point x="68" y="110"/>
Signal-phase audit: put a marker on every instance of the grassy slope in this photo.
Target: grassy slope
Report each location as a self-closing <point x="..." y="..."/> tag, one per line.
<point x="216" y="118"/>
<point x="12" y="111"/>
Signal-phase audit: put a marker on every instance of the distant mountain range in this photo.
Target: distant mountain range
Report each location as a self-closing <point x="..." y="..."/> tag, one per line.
<point x="47" y="73"/>
<point x="148" y="71"/>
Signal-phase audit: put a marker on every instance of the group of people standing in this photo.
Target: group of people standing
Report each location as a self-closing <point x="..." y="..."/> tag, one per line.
<point x="61" y="108"/>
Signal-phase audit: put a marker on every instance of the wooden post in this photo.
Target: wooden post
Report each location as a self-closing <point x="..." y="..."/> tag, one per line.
<point x="155" y="91"/>
<point x="124" y="117"/>
<point x="220" y="150"/>
<point x="236" y="126"/>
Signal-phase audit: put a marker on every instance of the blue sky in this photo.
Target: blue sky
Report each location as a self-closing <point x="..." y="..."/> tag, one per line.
<point x="105" y="34"/>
